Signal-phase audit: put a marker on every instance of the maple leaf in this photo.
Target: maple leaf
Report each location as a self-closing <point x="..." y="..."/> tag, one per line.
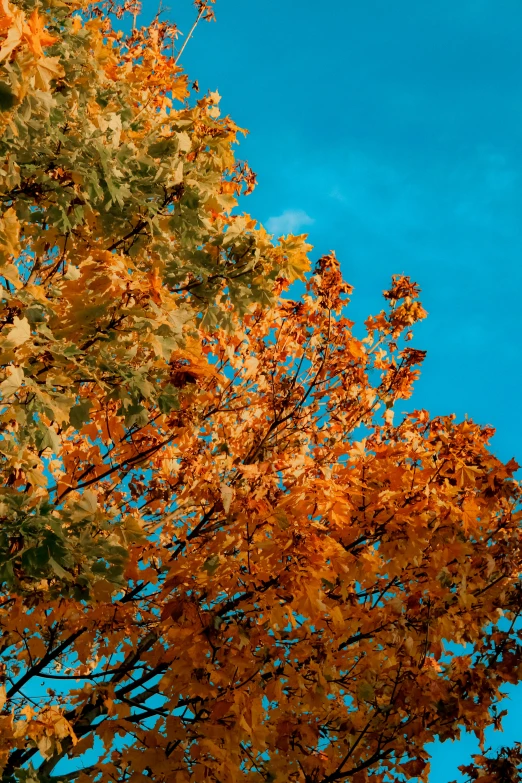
<point x="47" y="69"/>
<point x="12" y="20"/>
<point x="19" y="332"/>
<point x="512" y="466"/>
<point x="36" y="35"/>
<point x="15" y="377"/>
<point x="10" y="233"/>
<point x="466" y="475"/>
<point x="227" y="495"/>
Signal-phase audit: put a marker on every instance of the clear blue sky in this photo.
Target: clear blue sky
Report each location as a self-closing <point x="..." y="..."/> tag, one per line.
<point x="392" y="133"/>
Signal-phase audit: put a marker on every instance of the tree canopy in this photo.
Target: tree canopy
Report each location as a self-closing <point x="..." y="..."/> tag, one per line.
<point x="116" y="241"/>
<point x="226" y="553"/>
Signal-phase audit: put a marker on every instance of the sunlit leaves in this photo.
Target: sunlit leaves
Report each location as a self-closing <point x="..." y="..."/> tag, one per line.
<point x="256" y="584"/>
<point x="116" y="244"/>
<point x="226" y="552"/>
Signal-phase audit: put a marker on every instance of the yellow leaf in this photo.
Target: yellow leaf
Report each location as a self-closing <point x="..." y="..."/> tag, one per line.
<point x="36" y="35"/>
<point x="10" y="233"/>
<point x="13" y="381"/>
<point x="227" y="495"/>
<point x="466" y="475"/>
<point x="337" y="617"/>
<point x="10" y="272"/>
<point x="45" y="746"/>
<point x="36" y="477"/>
<point x="295" y="263"/>
<point x="15" y="20"/>
<point x="470" y="514"/>
<point x="19" y="333"/>
<point x="47" y="69"/>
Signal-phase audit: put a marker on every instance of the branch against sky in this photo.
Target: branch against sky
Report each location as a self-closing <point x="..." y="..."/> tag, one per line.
<point x="227" y="554"/>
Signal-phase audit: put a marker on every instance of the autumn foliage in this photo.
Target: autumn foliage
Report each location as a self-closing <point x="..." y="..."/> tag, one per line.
<point x="226" y="552"/>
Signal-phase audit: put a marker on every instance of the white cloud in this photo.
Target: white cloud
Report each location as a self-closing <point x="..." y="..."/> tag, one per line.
<point x="291" y="221"/>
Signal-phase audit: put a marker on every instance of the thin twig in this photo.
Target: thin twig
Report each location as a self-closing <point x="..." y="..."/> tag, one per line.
<point x="189" y="36"/>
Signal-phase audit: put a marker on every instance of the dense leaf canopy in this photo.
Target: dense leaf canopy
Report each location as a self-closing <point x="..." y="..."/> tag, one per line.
<point x="115" y="240"/>
<point x="226" y="553"/>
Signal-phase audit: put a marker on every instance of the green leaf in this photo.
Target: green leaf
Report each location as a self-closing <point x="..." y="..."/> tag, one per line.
<point x="58" y="570"/>
<point x="88" y="502"/>
<point x="49" y="440"/>
<point x="35" y="314"/>
<point x="136" y="414"/>
<point x="162" y="148"/>
<point x="7" y="97"/>
<point x="168" y="399"/>
<point x="211" y="564"/>
<point x="80" y="414"/>
<point x="365" y="691"/>
<point x="133" y="530"/>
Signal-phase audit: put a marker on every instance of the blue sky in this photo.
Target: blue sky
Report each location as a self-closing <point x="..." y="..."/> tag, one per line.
<point x="392" y="133"/>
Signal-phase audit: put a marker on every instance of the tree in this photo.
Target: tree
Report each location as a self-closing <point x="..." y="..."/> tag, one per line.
<point x="230" y="556"/>
<point x="116" y="242"/>
<point x="504" y="767"/>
